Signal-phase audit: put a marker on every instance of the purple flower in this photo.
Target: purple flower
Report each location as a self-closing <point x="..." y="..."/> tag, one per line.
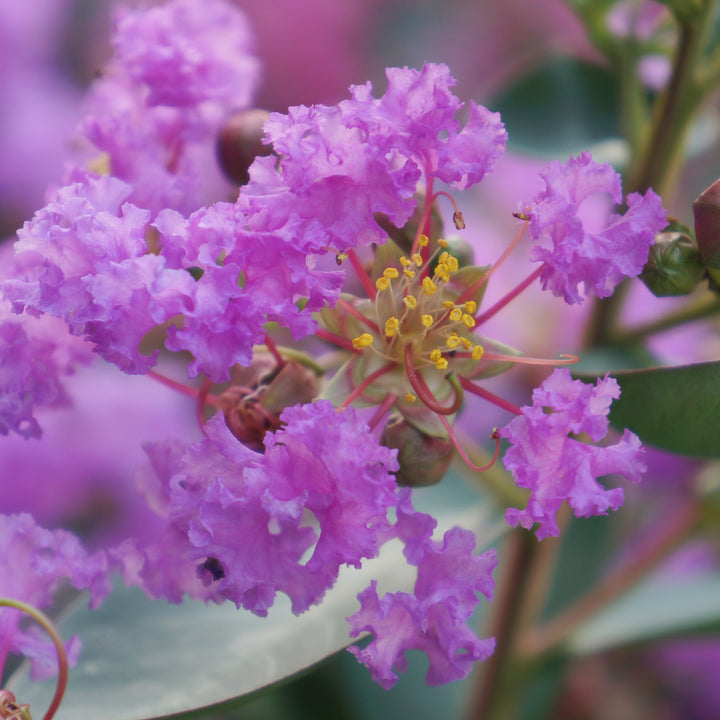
<point x="433" y="618"/>
<point x="35" y="562"/>
<point x="571" y="254"/>
<point x="35" y="355"/>
<point x="84" y="258"/>
<point x="323" y="484"/>
<point x="179" y="69"/>
<point x="341" y="165"/>
<point x="555" y="467"/>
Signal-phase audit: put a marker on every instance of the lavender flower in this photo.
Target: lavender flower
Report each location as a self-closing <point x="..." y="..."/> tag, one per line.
<point x="573" y="255"/>
<point x="35" y="562"/>
<point x="558" y="468"/>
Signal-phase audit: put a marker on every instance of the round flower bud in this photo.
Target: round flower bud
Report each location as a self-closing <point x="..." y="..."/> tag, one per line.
<point x="673" y="266"/>
<point x="240" y="141"/>
<point x="423" y="459"/>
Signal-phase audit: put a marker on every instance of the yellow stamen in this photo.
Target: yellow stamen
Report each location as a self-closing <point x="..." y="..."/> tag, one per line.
<point x="409" y="274"/>
<point x="470" y="307"/>
<point x="453" y="341"/>
<point x="429" y="287"/>
<point x="466" y="343"/>
<point x="436" y="354"/>
<point x="417" y="259"/>
<point x="441" y="364"/>
<point x="456" y="314"/>
<point x="390" y="273"/>
<point x="443" y="272"/>
<point x="452" y="263"/>
<point x="448" y="304"/>
<point x="391" y="326"/>
<point x="427" y="320"/>
<point x="362" y="341"/>
<point x="468" y="321"/>
<point x="478" y="352"/>
<point x="410" y="397"/>
<point x="410" y="302"/>
<point x="423" y="240"/>
<point x="405" y="262"/>
<point x="442" y="243"/>
<point x="382" y="283"/>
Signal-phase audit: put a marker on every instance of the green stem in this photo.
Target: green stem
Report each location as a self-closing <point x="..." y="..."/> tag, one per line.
<point x="704" y="308"/>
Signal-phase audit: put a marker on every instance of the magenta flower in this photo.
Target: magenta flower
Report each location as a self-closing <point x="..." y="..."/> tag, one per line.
<point x="558" y="468"/>
<point x="35" y="562"/>
<point x="573" y="255"/>
<point x="433" y="618"/>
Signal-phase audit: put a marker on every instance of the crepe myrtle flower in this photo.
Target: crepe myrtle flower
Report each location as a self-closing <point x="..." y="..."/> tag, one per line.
<point x="35" y="563"/>
<point x="308" y="444"/>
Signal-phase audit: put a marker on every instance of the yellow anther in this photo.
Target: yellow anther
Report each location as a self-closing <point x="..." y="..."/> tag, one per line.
<point x="453" y="341"/>
<point x="410" y="302"/>
<point x="390" y="273"/>
<point x="423" y="240"/>
<point x="391" y="326"/>
<point x="362" y="341"/>
<point x="443" y="243"/>
<point x="436" y="354"/>
<point x="456" y="314"/>
<point x="452" y="263"/>
<point x="441" y="364"/>
<point x="470" y="307"/>
<point x="478" y="352"/>
<point x="429" y="287"/>
<point x="410" y="397"/>
<point x="405" y="262"/>
<point x="427" y="320"/>
<point x="382" y="283"/>
<point x="468" y="321"/>
<point x="417" y="259"/>
<point x="448" y="304"/>
<point x="443" y="272"/>
<point x="466" y="343"/>
<point x="409" y="274"/>
<point x="443" y="257"/>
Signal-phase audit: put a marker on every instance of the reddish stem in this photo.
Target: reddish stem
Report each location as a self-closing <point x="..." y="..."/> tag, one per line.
<point x="464" y="455"/>
<point x="363" y="277"/>
<point x="331" y="337"/>
<point x="369" y="380"/>
<point x="477" y="285"/>
<point x="383" y="408"/>
<point x="500" y="304"/>
<point x="357" y="314"/>
<point x="490" y="397"/>
<point x="184" y="389"/>
<point x="202" y="399"/>
<point x="272" y="347"/>
<point x="423" y="391"/>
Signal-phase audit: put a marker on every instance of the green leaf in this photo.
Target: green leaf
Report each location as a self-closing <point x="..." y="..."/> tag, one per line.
<point x="149" y="659"/>
<point x="657" y="609"/>
<point x="563" y="106"/>
<point x="676" y="409"/>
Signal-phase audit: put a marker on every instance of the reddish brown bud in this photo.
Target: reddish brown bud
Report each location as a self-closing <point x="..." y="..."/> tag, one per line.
<point x="706" y="209"/>
<point x="253" y="410"/>
<point x="240" y="141"/>
<point x="423" y="459"/>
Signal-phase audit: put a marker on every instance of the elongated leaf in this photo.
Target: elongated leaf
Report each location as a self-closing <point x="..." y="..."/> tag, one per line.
<point x="676" y="409"/>
<point x="658" y="609"/>
<point x="149" y="659"/>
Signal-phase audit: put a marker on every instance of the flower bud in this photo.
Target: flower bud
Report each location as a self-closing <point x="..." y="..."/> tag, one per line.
<point x="251" y="411"/>
<point x="240" y="141"/>
<point x="423" y="459"/>
<point x="706" y="209"/>
<point x="673" y="266"/>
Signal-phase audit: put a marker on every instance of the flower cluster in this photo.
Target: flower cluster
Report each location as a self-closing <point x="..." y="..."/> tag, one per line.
<point x="130" y="257"/>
